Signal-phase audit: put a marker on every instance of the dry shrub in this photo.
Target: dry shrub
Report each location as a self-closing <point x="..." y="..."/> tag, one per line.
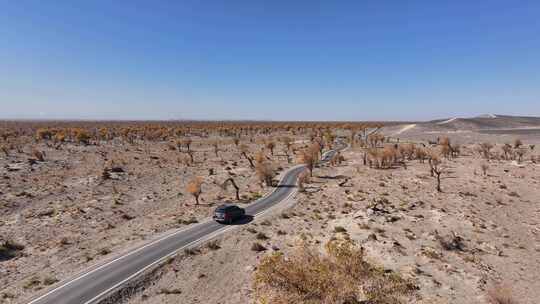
<point x="421" y="154"/>
<point x="40" y="156"/>
<point x="5" y="150"/>
<point x="257" y="247"/>
<point x="188" y="158"/>
<point x="340" y="276"/>
<point x="270" y="146"/>
<point x="171" y="146"/>
<point x="451" y="242"/>
<point x="82" y="136"/>
<point x="375" y="139"/>
<point x="194" y="188"/>
<point x="213" y="245"/>
<point x="485" y="149"/>
<point x="310" y="157"/>
<point x="44" y="133"/>
<point x="9" y="249"/>
<point x="407" y="151"/>
<point x="520" y="152"/>
<point x="303" y="178"/>
<point x="484" y="168"/>
<point x="507" y="151"/>
<point x="382" y="158"/>
<point x="287" y="141"/>
<point x="259" y="158"/>
<point x="187" y="142"/>
<point x="500" y="294"/>
<point x="215" y="145"/>
<point x="265" y="173"/>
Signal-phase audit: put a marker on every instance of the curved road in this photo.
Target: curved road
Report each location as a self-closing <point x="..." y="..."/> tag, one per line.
<point x="95" y="284"/>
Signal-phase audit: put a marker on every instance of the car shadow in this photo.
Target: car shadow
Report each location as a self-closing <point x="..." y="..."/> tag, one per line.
<point x="286" y="186"/>
<point x="245" y="220"/>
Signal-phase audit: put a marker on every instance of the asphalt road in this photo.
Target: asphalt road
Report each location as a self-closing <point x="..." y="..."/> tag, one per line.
<point x="95" y="284"/>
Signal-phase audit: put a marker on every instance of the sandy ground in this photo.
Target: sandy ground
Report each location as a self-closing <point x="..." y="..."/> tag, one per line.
<point x="68" y="218"/>
<point x="400" y="219"/>
<point x="395" y="214"/>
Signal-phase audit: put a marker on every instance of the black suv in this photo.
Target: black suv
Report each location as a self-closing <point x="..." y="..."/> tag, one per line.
<point x="228" y="213"/>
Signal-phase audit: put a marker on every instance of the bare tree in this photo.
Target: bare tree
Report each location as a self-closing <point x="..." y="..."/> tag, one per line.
<point x="231" y="181"/>
<point x="245" y="150"/>
<point x="187" y="142"/>
<point x="190" y="153"/>
<point x="485" y="149"/>
<point x="507" y="150"/>
<point x="270" y="146"/>
<point x="520" y="152"/>
<point x="215" y="145"/>
<point x="437" y="169"/>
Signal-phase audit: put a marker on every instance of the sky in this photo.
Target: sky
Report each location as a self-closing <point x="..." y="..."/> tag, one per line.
<point x="268" y="60"/>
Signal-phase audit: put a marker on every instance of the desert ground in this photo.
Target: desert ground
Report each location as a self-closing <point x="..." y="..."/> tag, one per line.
<point x="474" y="240"/>
<point x="74" y="195"/>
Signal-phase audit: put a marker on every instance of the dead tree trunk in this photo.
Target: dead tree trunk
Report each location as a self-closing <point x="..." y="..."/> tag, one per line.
<point x="233" y="183"/>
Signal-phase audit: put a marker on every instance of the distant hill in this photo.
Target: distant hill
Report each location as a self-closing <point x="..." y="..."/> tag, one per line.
<point x="481" y="123"/>
<point x="487" y="121"/>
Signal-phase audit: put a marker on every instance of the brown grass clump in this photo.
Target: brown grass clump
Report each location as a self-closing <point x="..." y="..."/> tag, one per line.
<point x="194" y="188"/>
<point x="213" y="245"/>
<point x="257" y="247"/>
<point x="500" y="294"/>
<point x="340" y="276"/>
<point x="9" y="249"/>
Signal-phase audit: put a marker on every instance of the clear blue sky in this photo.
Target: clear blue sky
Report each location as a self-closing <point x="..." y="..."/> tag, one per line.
<point x="281" y="60"/>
